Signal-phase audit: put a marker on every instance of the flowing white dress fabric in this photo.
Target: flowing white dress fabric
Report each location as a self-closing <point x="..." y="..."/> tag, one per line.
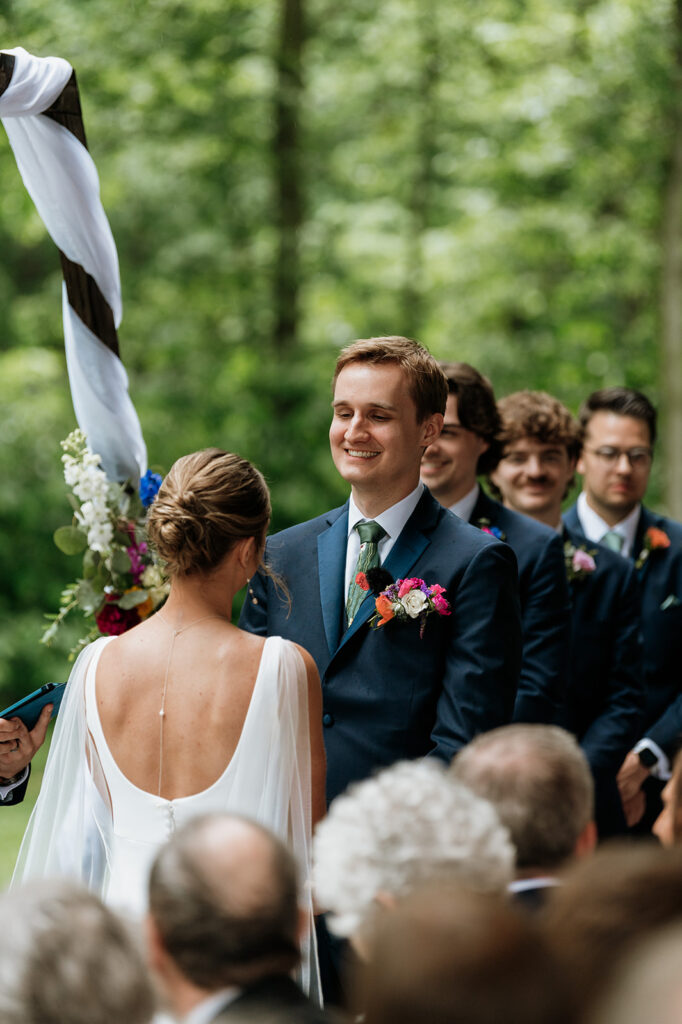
<point x="91" y="823"/>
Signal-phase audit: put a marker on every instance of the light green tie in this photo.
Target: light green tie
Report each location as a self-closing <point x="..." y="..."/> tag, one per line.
<point x="370" y="535"/>
<point x="613" y="540"/>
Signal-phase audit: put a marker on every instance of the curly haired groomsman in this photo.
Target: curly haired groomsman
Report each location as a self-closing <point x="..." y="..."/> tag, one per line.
<point x="604" y="699"/>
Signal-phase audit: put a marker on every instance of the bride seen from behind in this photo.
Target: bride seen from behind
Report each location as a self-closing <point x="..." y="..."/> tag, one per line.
<point x="185" y="713"/>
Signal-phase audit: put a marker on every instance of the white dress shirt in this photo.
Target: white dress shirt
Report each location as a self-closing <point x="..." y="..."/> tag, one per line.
<point x="393" y="520"/>
<point x="594" y="527"/>
<point x="466" y="505"/>
<point x="208" y="1009"/>
<point x="7" y="789"/>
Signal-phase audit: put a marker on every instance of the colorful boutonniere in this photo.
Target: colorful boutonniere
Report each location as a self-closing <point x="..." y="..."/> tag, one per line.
<point x="408" y="599"/>
<point x="654" y="540"/>
<point x="487" y="527"/>
<point x="580" y="563"/>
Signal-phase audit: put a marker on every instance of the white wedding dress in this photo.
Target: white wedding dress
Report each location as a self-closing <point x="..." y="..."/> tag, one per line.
<point x="90" y="822"/>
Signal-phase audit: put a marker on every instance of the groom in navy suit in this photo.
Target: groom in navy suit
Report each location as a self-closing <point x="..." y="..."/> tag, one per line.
<point x="388" y="693"/>
<point x="619" y="427"/>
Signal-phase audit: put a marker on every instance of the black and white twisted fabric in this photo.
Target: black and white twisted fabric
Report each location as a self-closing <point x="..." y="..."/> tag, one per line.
<point x="41" y="113"/>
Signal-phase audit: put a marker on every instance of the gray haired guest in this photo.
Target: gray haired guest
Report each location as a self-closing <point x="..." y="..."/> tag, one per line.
<point x="224" y="924"/>
<point x="539" y="781"/>
<point x="410" y="824"/>
<point x="65" y="958"/>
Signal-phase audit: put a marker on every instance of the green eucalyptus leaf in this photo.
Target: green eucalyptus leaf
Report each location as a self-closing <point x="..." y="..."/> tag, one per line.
<point x="70" y="539"/>
<point x="120" y="561"/>
<point x="132" y="598"/>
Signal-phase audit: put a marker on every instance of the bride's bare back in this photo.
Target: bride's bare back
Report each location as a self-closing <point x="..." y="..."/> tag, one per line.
<point x="208" y="669"/>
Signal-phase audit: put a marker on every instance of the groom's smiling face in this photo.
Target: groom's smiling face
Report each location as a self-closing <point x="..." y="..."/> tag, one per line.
<point x="375" y="439"/>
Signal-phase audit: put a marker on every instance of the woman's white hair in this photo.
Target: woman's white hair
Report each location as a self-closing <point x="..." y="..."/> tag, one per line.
<point x="409" y="824"/>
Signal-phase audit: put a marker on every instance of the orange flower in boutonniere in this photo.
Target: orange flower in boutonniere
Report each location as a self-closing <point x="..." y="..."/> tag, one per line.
<point x="654" y="540"/>
<point x="384" y="608"/>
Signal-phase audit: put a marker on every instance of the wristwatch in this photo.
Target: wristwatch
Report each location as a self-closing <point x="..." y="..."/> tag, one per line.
<point x="647" y="758"/>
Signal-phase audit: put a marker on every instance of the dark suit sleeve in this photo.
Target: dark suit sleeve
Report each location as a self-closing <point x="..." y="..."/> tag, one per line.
<point x="667" y="731"/>
<point x="16" y="795"/>
<point x="616" y="729"/>
<point x="484" y="654"/>
<point x="545" y="625"/>
<point x="254" y="614"/>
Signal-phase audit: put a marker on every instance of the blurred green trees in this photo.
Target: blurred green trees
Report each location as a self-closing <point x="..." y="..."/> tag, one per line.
<point x="284" y="176"/>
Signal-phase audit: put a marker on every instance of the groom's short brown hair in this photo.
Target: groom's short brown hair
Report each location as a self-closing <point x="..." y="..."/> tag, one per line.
<point x="426" y="382"/>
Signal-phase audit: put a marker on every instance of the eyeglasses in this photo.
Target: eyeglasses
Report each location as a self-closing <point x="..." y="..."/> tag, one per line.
<point x="639" y="458"/>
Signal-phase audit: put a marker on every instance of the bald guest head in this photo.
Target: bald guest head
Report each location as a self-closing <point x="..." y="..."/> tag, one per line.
<point x="223" y="903"/>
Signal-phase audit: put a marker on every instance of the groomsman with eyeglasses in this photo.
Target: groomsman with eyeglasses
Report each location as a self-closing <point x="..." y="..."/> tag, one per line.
<point x="619" y="432"/>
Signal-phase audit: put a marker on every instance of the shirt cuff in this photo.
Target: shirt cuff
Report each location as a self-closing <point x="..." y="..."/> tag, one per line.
<point x="661" y="770"/>
<point x="7" y="787"/>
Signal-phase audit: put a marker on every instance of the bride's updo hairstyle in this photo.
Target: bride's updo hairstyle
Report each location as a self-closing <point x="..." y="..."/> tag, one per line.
<point x="208" y="502"/>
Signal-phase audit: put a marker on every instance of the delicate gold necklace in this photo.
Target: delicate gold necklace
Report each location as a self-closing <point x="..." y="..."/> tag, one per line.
<point x="162" y="711"/>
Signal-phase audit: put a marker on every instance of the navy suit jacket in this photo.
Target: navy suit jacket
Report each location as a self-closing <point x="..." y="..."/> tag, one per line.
<point x="660" y="584"/>
<point x="388" y="694"/>
<point x="545" y="609"/>
<point x="605" y="698"/>
<point x="16" y="795"/>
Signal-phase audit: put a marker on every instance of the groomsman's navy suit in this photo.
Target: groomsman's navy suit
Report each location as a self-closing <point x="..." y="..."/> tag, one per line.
<point x="660" y="583"/>
<point x="545" y="607"/>
<point x="387" y="693"/>
<point x="605" y="698"/>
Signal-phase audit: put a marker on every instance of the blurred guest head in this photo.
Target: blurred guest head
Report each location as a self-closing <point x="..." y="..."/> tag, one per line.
<point x="647" y="985"/>
<point x="668" y="825"/>
<point x="468" y="443"/>
<point x="607" y="903"/>
<point x="619" y="431"/>
<point x="223" y="909"/>
<point x="451" y="956"/>
<point x="538" y="780"/>
<point x="540" y="445"/>
<point x="65" y="958"/>
<point x="409" y="824"/>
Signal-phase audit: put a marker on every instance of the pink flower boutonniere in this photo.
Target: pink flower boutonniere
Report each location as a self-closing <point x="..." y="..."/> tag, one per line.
<point x="580" y="563"/>
<point x="654" y="540"/>
<point x="409" y="599"/>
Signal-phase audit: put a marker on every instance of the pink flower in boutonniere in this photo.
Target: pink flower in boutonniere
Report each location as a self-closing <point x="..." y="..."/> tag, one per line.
<point x="654" y="540"/>
<point x="579" y="562"/>
<point x="410" y="599"/>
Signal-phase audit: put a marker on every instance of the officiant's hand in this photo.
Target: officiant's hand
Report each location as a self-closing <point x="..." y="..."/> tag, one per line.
<point x="18" y="745"/>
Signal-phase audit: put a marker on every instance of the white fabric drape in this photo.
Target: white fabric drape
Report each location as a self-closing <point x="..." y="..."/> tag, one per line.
<point x="61" y="178"/>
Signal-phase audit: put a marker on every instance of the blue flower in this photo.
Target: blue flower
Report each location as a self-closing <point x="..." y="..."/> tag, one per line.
<point x="149" y="486"/>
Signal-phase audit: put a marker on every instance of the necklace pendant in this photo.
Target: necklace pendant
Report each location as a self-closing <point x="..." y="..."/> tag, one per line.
<point x="162" y="713"/>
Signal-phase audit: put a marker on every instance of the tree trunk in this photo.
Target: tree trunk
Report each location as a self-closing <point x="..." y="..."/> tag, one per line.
<point x="287" y="174"/>
<point x="420" y="195"/>
<point x="671" y="287"/>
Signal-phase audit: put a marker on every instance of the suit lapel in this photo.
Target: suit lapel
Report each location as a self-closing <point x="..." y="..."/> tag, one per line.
<point x="484" y="508"/>
<point x="407" y="549"/>
<point x="331" y="560"/>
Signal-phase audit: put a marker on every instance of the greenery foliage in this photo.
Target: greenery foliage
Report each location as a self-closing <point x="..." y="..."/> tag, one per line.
<point x="486" y="178"/>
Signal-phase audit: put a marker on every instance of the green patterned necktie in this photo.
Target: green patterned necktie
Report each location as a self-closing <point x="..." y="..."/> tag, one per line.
<point x="613" y="540"/>
<point x="370" y="535"/>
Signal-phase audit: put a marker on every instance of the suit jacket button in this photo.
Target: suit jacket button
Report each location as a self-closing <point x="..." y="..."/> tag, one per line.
<point x="327" y="719"/>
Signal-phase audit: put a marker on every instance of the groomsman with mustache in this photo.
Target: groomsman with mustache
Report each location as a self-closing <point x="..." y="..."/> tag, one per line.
<point x="605" y="697"/>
